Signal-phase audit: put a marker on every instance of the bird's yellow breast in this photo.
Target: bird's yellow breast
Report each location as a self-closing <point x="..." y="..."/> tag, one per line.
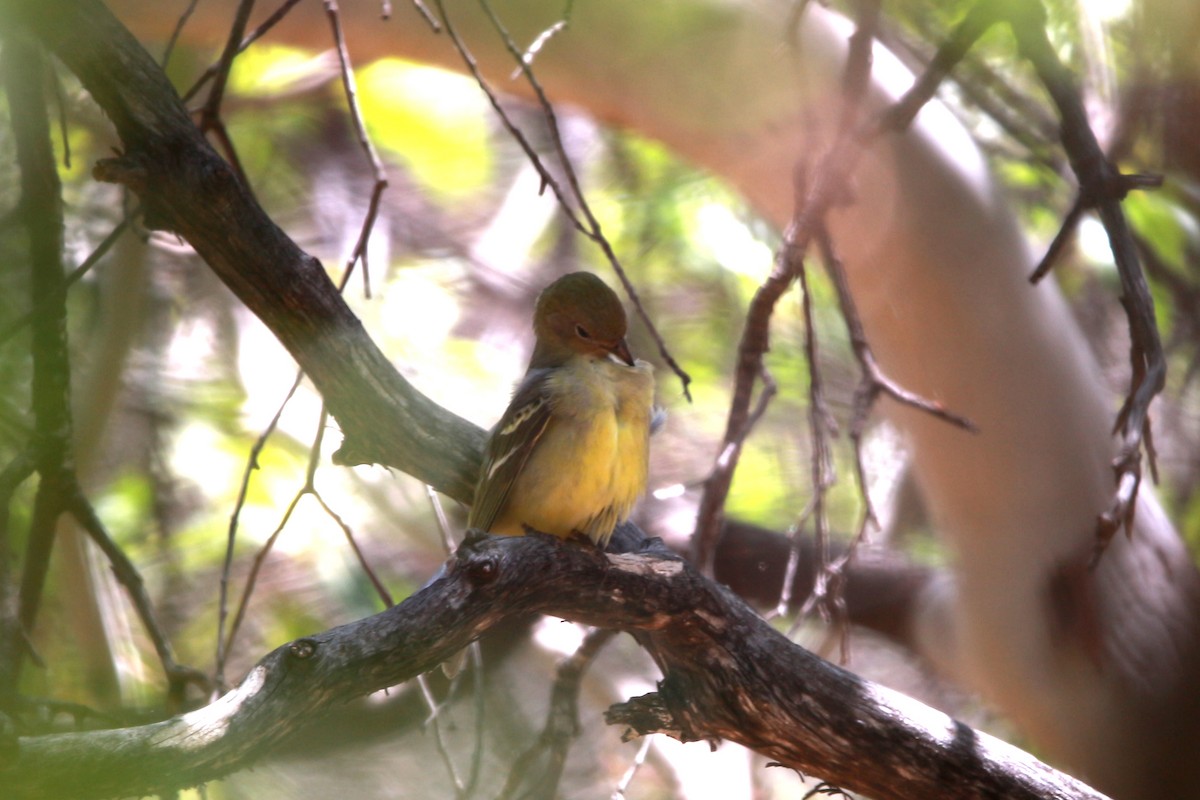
<point x="590" y="466"/>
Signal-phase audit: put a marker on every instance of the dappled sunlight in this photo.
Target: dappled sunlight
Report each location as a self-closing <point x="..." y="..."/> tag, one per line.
<point x="228" y="492"/>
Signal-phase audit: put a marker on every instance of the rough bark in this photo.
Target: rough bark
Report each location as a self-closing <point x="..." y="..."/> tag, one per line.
<point x="726" y="674"/>
<point x="1099" y="668"/>
<point x="188" y="189"/>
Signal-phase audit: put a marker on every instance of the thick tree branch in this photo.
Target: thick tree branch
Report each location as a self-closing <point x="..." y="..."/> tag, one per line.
<point x="24" y="68"/>
<point x="188" y="189"/>
<point x="880" y="590"/>
<point x="937" y="264"/>
<point x="727" y="674"/>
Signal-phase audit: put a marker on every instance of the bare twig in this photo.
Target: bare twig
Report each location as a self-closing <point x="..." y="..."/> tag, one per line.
<point x="439" y="740"/>
<point x="423" y="10"/>
<point x="210" y="120"/>
<point x="439" y="513"/>
<point x="1103" y="187"/>
<point x="453" y="669"/>
<point x="635" y="766"/>
<point x="538" y="770"/>
<point x="813" y="199"/>
<point x="1184" y="292"/>
<point x="900" y="115"/>
<point x="727" y="460"/>
<point x="308" y="489"/>
<point x="588" y="224"/>
<point x="821" y="426"/>
<point x="231" y="538"/>
<point x="364" y="141"/>
<point x="540" y="41"/>
<point x="178" y="29"/>
<point x="827" y="790"/>
<point x="93" y="258"/>
<point x="874" y="381"/>
<point x="266" y="25"/>
<point x="252" y="580"/>
<point x="178" y="676"/>
<point x="1065" y="231"/>
<point x="593" y="231"/>
<point x="1022" y="118"/>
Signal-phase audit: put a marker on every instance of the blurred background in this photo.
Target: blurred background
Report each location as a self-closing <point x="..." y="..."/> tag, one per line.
<point x="174" y="383"/>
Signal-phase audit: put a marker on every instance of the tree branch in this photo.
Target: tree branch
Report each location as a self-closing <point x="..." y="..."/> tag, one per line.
<point x="188" y="189"/>
<point x="727" y="674"/>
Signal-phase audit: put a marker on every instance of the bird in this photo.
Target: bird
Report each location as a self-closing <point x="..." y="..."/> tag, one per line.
<point x="570" y="454"/>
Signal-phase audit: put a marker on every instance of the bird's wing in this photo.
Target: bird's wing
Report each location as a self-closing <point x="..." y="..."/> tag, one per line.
<point x="509" y="447"/>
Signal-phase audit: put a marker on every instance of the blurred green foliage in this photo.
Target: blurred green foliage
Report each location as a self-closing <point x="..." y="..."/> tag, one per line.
<point x="201" y="379"/>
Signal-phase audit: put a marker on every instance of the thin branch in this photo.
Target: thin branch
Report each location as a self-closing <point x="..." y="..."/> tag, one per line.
<point x="1103" y="187"/>
<point x="252" y="579"/>
<point x="187" y="189"/>
<point x="541" y="41"/>
<point x="826" y="188"/>
<point x="821" y="426"/>
<point x="538" y="771"/>
<point x="900" y="115"/>
<point x="364" y="141"/>
<point x="635" y="766"/>
<point x="385" y="12"/>
<point x="525" y="67"/>
<point x="210" y="120"/>
<point x="178" y="676"/>
<point x="348" y="532"/>
<point x="724" y="467"/>
<point x="256" y="34"/>
<point x="216" y="95"/>
<point x="824" y="789"/>
<point x="589" y="225"/>
<point x="178" y="29"/>
<point x="439" y="513"/>
<point x="439" y="740"/>
<point x="1025" y="120"/>
<point x="58" y="489"/>
<point x="93" y="258"/>
<point x="308" y="489"/>
<point x="231" y="538"/>
<point x="1065" y="231"/>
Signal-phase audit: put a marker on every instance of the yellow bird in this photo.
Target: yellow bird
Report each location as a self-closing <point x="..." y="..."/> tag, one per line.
<point x="570" y="453"/>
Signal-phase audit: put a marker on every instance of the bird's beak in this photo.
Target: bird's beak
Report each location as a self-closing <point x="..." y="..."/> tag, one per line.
<point x="621" y="351"/>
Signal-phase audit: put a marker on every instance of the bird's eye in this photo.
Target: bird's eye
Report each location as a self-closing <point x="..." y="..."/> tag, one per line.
<point x="581" y="332"/>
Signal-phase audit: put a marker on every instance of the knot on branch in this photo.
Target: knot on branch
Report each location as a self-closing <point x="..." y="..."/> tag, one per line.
<point x="125" y="170"/>
<point x="302" y="649"/>
<point x="483" y="571"/>
<point x="479" y="568"/>
<point x="135" y="174"/>
<point x="642" y="716"/>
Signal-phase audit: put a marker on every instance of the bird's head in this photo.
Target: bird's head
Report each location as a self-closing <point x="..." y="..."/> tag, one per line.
<point x="579" y="315"/>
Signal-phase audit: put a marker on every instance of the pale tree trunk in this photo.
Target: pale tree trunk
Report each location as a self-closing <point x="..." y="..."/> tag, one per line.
<point x="1099" y="669"/>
